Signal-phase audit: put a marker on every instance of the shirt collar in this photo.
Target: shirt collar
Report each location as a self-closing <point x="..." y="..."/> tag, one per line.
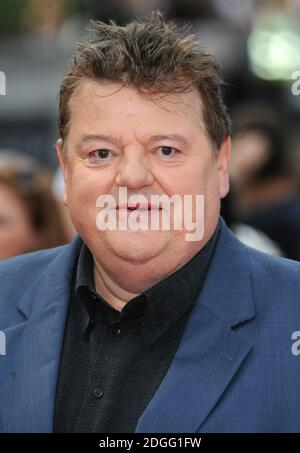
<point x="160" y="306"/>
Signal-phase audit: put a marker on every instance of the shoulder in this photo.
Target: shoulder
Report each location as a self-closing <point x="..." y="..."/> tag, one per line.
<point x="275" y="285"/>
<point x="275" y="268"/>
<point x="265" y="268"/>
<point x="32" y="277"/>
<point x="20" y="271"/>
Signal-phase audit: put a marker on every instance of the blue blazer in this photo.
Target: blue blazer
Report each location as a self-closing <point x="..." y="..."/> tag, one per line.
<point x="234" y="370"/>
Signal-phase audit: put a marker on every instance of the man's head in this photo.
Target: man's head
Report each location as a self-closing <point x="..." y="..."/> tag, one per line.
<point x="141" y="108"/>
<point x="151" y="55"/>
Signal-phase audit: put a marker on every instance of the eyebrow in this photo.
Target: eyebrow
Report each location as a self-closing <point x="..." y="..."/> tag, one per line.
<point x="174" y="137"/>
<point x="112" y="140"/>
<point x="93" y="137"/>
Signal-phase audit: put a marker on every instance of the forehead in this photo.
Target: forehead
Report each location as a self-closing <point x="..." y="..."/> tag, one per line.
<point x="107" y="100"/>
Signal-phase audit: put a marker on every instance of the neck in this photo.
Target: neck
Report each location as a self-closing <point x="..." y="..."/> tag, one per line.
<point x="114" y="294"/>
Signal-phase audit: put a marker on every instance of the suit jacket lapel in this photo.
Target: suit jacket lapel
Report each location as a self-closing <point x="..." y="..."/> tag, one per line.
<point x="210" y="352"/>
<point x="29" y="369"/>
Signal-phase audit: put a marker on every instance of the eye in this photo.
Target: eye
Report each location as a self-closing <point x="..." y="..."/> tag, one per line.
<point x="100" y="155"/>
<point x="167" y="151"/>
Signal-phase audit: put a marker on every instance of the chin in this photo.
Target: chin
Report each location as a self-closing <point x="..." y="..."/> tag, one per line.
<point x="134" y="255"/>
<point x="136" y="247"/>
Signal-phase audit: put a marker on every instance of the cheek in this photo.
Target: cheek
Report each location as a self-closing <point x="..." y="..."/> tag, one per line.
<point x="84" y="186"/>
<point x="197" y="179"/>
<point x="203" y="181"/>
<point x="83" y="189"/>
<point x="179" y="180"/>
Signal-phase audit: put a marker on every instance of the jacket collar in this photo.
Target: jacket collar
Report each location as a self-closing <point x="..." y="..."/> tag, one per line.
<point x="228" y="287"/>
<point x="53" y="283"/>
<point x="230" y="262"/>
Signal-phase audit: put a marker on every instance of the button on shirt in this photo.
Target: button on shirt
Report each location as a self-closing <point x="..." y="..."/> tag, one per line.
<point x="113" y="362"/>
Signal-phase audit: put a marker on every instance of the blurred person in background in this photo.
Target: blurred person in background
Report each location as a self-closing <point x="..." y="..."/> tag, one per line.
<point x="29" y="215"/>
<point x="265" y="187"/>
<point x="44" y="17"/>
<point x="245" y="233"/>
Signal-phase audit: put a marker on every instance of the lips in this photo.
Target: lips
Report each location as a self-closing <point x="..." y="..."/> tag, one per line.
<point x="139" y="206"/>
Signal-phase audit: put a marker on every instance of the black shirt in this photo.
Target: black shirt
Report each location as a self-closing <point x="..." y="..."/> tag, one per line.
<point x="112" y="361"/>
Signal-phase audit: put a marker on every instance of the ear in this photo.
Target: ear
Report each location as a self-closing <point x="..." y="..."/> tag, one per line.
<point x="223" y="160"/>
<point x="63" y="165"/>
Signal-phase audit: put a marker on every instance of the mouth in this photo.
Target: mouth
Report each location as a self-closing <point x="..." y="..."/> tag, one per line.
<point x="139" y="207"/>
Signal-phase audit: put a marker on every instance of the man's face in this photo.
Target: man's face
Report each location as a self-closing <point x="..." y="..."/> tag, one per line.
<point x="119" y="137"/>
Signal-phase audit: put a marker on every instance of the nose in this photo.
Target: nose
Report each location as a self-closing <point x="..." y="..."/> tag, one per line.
<point x="133" y="170"/>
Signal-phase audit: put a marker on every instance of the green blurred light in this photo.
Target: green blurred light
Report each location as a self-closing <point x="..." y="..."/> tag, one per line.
<point x="274" y="49"/>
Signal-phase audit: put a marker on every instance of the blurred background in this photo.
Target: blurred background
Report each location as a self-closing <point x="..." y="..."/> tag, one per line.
<point x="258" y="44"/>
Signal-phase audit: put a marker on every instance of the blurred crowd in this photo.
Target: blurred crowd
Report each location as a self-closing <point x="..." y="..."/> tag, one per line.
<point x="258" y="45"/>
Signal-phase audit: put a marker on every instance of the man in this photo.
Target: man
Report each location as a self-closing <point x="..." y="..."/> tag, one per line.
<point x="145" y="330"/>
